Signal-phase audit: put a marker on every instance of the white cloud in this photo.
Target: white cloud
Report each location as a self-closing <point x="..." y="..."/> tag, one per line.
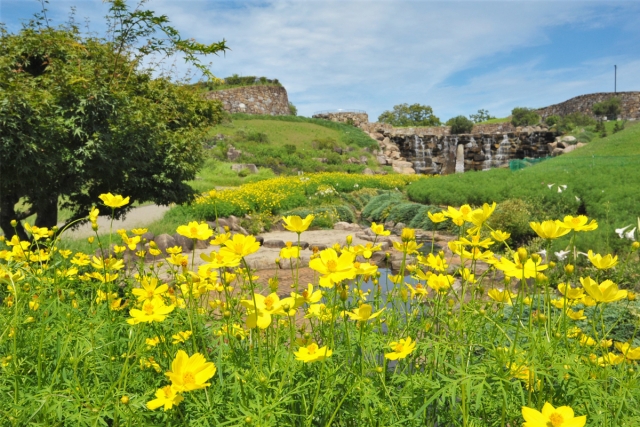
<point x="373" y="54"/>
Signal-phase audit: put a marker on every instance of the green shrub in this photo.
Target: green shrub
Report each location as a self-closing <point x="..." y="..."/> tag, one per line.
<point x="290" y="148"/>
<point x="460" y="124"/>
<point x="609" y="108"/>
<point x="524" y="117"/>
<point x="326" y="215"/>
<point x="292" y="109"/>
<point x="334" y="159"/>
<point x="421" y="219"/>
<point x="259" y="137"/>
<point x="404" y="212"/>
<point x="379" y="207"/>
<point x="552" y="120"/>
<point x="513" y="216"/>
<point x="325" y="144"/>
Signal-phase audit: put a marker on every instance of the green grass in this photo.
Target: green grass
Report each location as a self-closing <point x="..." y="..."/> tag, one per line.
<point x="496" y="120"/>
<point x="602" y="179"/>
<point x="215" y="173"/>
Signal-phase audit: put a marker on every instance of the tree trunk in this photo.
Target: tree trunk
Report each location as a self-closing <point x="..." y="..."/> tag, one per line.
<point x="47" y="212"/>
<point x="7" y="214"/>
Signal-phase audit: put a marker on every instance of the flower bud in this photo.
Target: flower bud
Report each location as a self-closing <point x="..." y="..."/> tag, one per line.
<point x="541" y="278"/>
<point x="568" y="269"/>
<point x="535" y="258"/>
<point x="552" y="264"/>
<point x="90" y="239"/>
<point x="344" y="294"/>
<point x="379" y="369"/>
<point x="14" y="223"/>
<point x="94" y="226"/>
<point x="631" y="296"/>
<point x="635" y="245"/>
<point x="349" y="239"/>
<point x="226" y="314"/>
<point x="522" y="254"/>
<point x="124" y="400"/>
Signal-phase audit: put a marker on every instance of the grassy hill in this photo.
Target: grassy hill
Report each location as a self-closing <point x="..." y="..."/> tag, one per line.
<point x="602" y="181"/>
<point x="282" y="145"/>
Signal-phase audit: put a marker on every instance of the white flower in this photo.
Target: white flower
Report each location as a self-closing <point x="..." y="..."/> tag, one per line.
<point x="630" y="234"/>
<point x="559" y="189"/>
<point x="550" y="185"/>
<point x="577" y="198"/>
<point x="620" y="231"/>
<point x="564" y="186"/>
<point x="561" y="255"/>
<point x="544" y="254"/>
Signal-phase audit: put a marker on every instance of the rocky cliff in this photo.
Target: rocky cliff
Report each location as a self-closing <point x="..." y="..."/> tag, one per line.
<point x="269" y="100"/>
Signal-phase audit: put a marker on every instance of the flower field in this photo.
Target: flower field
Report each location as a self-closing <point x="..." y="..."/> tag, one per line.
<point x="471" y="339"/>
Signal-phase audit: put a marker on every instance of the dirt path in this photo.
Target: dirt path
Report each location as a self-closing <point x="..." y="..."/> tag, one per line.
<point x="137" y="217"/>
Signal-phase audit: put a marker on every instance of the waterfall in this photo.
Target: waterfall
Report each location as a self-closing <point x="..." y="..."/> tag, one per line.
<point x="419" y="153"/>
<point x="460" y="158"/>
<point x="503" y="151"/>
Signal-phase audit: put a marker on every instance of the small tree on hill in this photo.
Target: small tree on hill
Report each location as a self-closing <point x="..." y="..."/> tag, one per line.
<point x="524" y="117"/>
<point x="481" y="116"/>
<point x="610" y="108"/>
<point x="460" y="124"/>
<point x="404" y="115"/>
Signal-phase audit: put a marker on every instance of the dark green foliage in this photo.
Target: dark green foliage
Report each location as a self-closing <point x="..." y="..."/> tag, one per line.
<point x="290" y="148"/>
<point x="610" y="108"/>
<point x="404" y="212"/>
<point x="460" y="124"/>
<point x="618" y="126"/>
<point x="235" y="80"/>
<point x="482" y="116"/>
<point x="421" y="219"/>
<point x="571" y="121"/>
<point x="521" y="116"/>
<point x="325" y="144"/>
<point x="552" y="120"/>
<point x="80" y="117"/>
<point x="334" y="158"/>
<point x="410" y="115"/>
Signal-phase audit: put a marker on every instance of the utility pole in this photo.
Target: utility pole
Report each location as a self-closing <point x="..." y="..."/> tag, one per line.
<point x="615" y="79"/>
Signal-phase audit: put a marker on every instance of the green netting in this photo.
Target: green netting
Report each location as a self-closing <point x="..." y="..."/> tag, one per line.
<point x="518" y="164"/>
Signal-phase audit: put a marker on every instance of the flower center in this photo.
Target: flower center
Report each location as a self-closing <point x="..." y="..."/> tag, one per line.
<point x="556" y="419"/>
<point x="238" y="248"/>
<point x="268" y="302"/>
<point x="399" y="347"/>
<point x="574" y="221"/>
<point x="167" y="391"/>
<point x="188" y="378"/>
<point x="150" y="294"/>
<point x="148" y="309"/>
<point x="289" y="244"/>
<point x="311" y="349"/>
<point x="305" y="294"/>
<point x="194" y="231"/>
<point x="332" y="265"/>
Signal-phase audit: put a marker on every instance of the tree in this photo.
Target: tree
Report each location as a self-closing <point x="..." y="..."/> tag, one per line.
<point x="481" y="116"/>
<point x="609" y="108"/>
<point x="410" y="115"/>
<point x="460" y="124"/>
<point x="293" y="111"/>
<point x="524" y="117"/>
<point x="80" y="117"/>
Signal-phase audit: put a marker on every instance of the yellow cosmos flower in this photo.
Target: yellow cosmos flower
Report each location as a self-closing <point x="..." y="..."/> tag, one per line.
<point x="527" y="270"/>
<point x="312" y="353"/>
<point x="113" y="201"/>
<point x="259" y="311"/>
<point x="606" y="291"/>
<point x="333" y="269"/>
<point x="139" y="231"/>
<point x="379" y="230"/>
<point x="629" y="352"/>
<point x="190" y="373"/>
<point x="107" y="264"/>
<point x="297" y="224"/>
<point x="410" y="247"/>
<point x="93" y="214"/>
<point x="549" y="229"/>
<point x="401" y="349"/>
<point x="217" y="260"/>
<point x="240" y="246"/>
<point x="500" y="236"/>
<point x="504" y="297"/>
<point x="476" y="242"/>
<point x="575" y="315"/>
<point x="363" y="313"/>
<point x="600" y="262"/>
<point x="437" y="217"/>
<point x="569" y="292"/>
<point x="419" y="290"/>
<point x="609" y="359"/>
<point x="308" y="295"/>
<point x="579" y="223"/>
<point x="408" y="235"/>
<point x="150" y="290"/>
<point x="562" y="416"/>
<point x="220" y="239"/>
<point x="181" y="337"/>
<point x="178" y="259"/>
<point x="478" y="217"/>
<point x="167" y="397"/>
<point x="174" y="250"/>
<point x="437" y="263"/>
<point x="37" y="232"/>
<point x="195" y="230"/>
<point x="458" y="217"/>
<point x="290" y="251"/>
<point x="440" y="282"/>
<point x="152" y="311"/>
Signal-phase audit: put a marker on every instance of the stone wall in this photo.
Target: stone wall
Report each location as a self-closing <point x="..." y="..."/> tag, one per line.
<point x="355" y="118"/>
<point x="630" y="105"/>
<point x="259" y="99"/>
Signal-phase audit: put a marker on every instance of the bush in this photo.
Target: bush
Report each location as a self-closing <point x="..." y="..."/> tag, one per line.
<point x="421" y="219"/>
<point x="334" y="158"/>
<point x="524" y="117"/>
<point x="552" y="120"/>
<point x="289" y="148"/>
<point x="609" y="108"/>
<point x="404" y="212"/>
<point x="379" y="207"/>
<point x="410" y="115"/>
<point x="292" y="109"/>
<point x="259" y="137"/>
<point x="460" y="124"/>
<point x="513" y="216"/>
<point x="325" y="144"/>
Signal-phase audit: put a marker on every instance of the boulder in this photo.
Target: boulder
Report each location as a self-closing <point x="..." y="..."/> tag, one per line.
<point x="233" y="154"/>
<point x="367" y="171"/>
<point x="382" y="160"/>
<point x="185" y="242"/>
<point x="165" y="241"/>
<point x="569" y="138"/>
<point x="148" y="236"/>
<point x="202" y="244"/>
<point x="580" y="144"/>
<point x="347" y="226"/>
<point x="242" y="166"/>
<point x="364" y="160"/>
<point x="275" y="244"/>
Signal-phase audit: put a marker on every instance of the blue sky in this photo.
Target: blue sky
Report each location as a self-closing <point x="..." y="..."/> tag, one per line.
<point x="455" y="56"/>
